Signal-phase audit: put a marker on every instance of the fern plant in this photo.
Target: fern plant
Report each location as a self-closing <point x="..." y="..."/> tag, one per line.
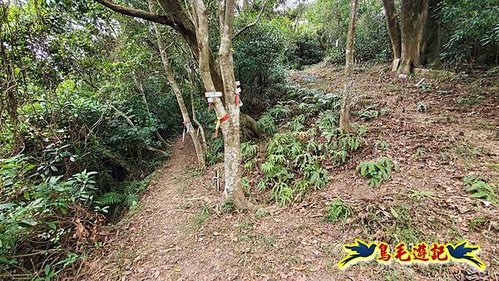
<point x="292" y="167"/>
<point x="109" y="199"/>
<point x="282" y="193"/>
<point x="316" y="175"/>
<point x="479" y="188"/>
<point x="369" y="113"/>
<point x="296" y="124"/>
<point x="342" y="144"/>
<point x="327" y="121"/>
<point x="337" y="210"/>
<point x="285" y="144"/>
<point x="248" y="150"/>
<point x="376" y="171"/>
<point x="279" y="111"/>
<point x="267" y="124"/>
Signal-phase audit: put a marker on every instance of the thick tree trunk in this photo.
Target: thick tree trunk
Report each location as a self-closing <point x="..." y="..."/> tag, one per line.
<point x="351" y="38"/>
<point x="414" y="14"/>
<point x="430" y="51"/>
<point x="178" y="93"/>
<point x="393" y="27"/>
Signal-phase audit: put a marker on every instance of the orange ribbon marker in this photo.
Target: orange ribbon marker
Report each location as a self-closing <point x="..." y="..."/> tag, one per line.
<point x="220" y="121"/>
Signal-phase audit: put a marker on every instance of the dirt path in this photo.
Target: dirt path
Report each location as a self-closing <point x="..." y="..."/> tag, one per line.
<point x="148" y="239"/>
<point x="180" y="232"/>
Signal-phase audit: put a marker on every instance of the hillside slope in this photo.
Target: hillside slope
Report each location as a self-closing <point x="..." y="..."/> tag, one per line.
<point x="437" y="133"/>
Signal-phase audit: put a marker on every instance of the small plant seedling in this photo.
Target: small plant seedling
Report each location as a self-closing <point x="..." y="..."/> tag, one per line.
<point x="376" y="171"/>
<point x="200" y="218"/>
<point x="425" y="87"/>
<point x="227" y="206"/>
<point x="475" y="223"/>
<point x="337" y="210"/>
<point x="422" y="107"/>
<point x="469" y="101"/>
<point x="479" y="188"/>
<point x="421" y="194"/>
<point x="382" y="145"/>
<point x="369" y="114"/>
<point x="420" y="152"/>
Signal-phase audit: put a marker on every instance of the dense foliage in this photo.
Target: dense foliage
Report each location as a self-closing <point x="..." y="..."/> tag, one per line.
<point x="86" y="113"/>
<point x="471" y="31"/>
<point x="371" y="39"/>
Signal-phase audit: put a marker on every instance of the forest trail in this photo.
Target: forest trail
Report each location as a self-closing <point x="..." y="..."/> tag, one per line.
<point x="148" y="238"/>
<point x="180" y="232"/>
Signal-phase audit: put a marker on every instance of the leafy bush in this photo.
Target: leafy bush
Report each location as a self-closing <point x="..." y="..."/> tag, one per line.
<point x="376" y="171"/>
<point x="43" y="210"/>
<point x="267" y="124"/>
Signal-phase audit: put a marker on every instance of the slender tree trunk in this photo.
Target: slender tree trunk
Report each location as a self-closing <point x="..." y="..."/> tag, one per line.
<point x="393" y="27"/>
<point x="345" y="100"/>
<point x="232" y="147"/>
<point x="414" y="14"/>
<point x="351" y="38"/>
<point x="178" y="93"/>
<point x="146" y="104"/>
<point x="228" y="115"/>
<point x="345" y="107"/>
<point x="194" y="118"/>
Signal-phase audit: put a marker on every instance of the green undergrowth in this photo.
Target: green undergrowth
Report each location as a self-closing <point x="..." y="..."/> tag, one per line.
<point x="376" y="171"/>
<point x="304" y="145"/>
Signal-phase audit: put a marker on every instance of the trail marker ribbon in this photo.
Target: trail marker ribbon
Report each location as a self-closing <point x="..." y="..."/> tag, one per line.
<point x="237" y="101"/>
<point x="220" y="121"/>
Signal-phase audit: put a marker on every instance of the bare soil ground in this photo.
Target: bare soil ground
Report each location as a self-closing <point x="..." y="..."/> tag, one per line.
<point x="179" y="232"/>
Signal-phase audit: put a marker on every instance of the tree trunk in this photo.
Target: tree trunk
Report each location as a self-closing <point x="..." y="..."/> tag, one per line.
<point x="228" y="115"/>
<point x="178" y="93"/>
<point x="195" y="32"/>
<point x="232" y="147"/>
<point x="345" y="99"/>
<point x="345" y="108"/>
<point x="194" y="118"/>
<point x="414" y="14"/>
<point x="393" y="27"/>
<point x="430" y="51"/>
<point x="351" y="38"/>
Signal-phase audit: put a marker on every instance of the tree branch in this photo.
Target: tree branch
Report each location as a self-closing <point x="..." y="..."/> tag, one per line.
<point x="253" y="23"/>
<point x="137" y="13"/>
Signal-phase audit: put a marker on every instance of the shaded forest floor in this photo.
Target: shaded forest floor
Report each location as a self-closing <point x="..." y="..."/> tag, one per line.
<point x="180" y="232"/>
